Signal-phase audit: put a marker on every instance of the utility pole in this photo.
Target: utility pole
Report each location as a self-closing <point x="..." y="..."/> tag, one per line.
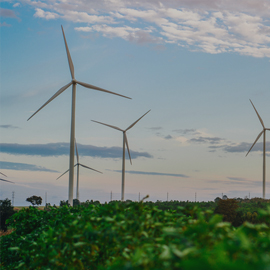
<point x="249" y="195"/>
<point x="111" y="195"/>
<point x="167" y="196"/>
<point x="45" y="198"/>
<point x="139" y="196"/>
<point x="195" y="196"/>
<point x="13" y="196"/>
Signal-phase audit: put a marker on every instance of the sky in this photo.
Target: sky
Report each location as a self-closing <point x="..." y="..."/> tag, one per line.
<point x="194" y="63"/>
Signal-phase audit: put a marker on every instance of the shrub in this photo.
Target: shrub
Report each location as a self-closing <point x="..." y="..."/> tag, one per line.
<point x="227" y="208"/>
<point x="6" y="211"/>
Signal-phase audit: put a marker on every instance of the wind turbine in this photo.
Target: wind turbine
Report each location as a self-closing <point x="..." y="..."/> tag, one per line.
<point x="4" y="179"/>
<point x="73" y="82"/>
<point x="78" y="164"/>
<point x="125" y="143"/>
<point x="264" y="139"/>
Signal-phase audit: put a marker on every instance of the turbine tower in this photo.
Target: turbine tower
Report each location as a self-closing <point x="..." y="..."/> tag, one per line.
<point x="78" y="164"/>
<point x="264" y="140"/>
<point x="73" y="82"/>
<point x="125" y="143"/>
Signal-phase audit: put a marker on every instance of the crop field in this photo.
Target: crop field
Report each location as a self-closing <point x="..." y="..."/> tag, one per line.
<point x="137" y="235"/>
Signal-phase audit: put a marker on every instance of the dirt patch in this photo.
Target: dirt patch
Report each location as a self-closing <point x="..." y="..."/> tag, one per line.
<point x="2" y="233"/>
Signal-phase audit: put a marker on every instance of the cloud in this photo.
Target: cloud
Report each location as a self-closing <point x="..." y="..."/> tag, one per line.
<point x="209" y="26"/>
<point x="16" y="5"/>
<point x="155" y="128"/>
<point x="168" y="137"/>
<point x="58" y="149"/>
<point x="4" y="24"/>
<point x="211" y="140"/>
<point x="236" y="181"/>
<point x="244" y="147"/>
<point x="23" y="167"/>
<point x="45" y="14"/>
<point x="191" y="131"/>
<point x="154" y="173"/>
<point x="8" y="126"/>
<point x="7" y="13"/>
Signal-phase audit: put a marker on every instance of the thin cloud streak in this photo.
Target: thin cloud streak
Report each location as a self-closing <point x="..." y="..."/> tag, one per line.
<point x="59" y="149"/>
<point x="154" y="173"/>
<point x="23" y="167"/>
<point x="8" y="126"/>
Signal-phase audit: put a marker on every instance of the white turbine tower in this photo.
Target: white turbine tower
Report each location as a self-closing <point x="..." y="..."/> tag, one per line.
<point x="264" y="140"/>
<point x="125" y="143"/>
<point x="78" y="164"/>
<point x="73" y="82"/>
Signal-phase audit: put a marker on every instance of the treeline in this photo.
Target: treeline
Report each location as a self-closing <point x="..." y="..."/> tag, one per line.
<point x="236" y="210"/>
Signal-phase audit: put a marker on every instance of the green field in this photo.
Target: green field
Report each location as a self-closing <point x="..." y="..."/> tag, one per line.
<point x="137" y="235"/>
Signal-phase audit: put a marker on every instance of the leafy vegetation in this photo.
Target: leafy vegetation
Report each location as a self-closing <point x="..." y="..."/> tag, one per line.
<point x="133" y="235"/>
<point x="6" y="211"/>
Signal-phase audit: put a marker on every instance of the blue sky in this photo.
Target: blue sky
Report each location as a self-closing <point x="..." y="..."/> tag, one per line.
<point x="194" y="63"/>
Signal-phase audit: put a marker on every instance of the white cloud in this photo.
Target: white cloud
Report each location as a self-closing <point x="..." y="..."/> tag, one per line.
<point x="209" y="26"/>
<point x="45" y="14"/>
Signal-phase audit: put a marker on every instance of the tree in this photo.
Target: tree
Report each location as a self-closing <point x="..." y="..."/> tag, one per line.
<point x="35" y="200"/>
<point x="6" y="211"/>
<point x="227" y="208"/>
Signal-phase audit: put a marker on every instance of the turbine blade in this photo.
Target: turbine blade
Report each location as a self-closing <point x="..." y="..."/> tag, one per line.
<point x="255" y="142"/>
<point x="88" y="168"/>
<point x="3" y="174"/>
<point x="258" y="115"/>
<point x="52" y="98"/>
<point x="65" y="172"/>
<point x="108" y="125"/>
<point x="7" y="181"/>
<point x="137" y="121"/>
<point x="126" y="140"/>
<point x="71" y="67"/>
<point x="77" y="152"/>
<point x="62" y="174"/>
<point x="99" y="89"/>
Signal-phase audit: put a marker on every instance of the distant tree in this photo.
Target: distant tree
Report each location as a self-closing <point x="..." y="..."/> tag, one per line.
<point x="227" y="208"/>
<point x="6" y="211"/>
<point x="224" y="197"/>
<point x="217" y="199"/>
<point x="35" y="200"/>
<point x="75" y="202"/>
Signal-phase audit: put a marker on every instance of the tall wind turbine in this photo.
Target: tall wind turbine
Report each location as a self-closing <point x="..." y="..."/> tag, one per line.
<point x="264" y="140"/>
<point x="73" y="82"/>
<point x="125" y="143"/>
<point x="78" y="164"/>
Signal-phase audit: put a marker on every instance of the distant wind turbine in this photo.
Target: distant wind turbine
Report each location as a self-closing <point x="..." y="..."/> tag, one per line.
<point x="125" y="143"/>
<point x="4" y="179"/>
<point x="78" y="164"/>
<point x="73" y="82"/>
<point x="264" y="139"/>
